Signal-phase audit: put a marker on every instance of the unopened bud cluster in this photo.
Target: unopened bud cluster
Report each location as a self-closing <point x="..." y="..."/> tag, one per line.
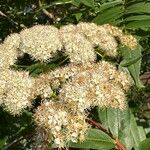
<point x="80" y="85"/>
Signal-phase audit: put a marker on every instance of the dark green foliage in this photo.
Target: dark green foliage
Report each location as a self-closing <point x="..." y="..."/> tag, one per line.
<point x="144" y="145"/>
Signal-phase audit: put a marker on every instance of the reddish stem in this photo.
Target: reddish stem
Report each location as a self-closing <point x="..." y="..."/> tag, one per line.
<point x="119" y="145"/>
<point x="98" y="125"/>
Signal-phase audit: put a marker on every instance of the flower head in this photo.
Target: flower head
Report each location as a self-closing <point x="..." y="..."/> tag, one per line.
<point x="78" y="48"/>
<point x="95" y="85"/>
<point x="41" y="42"/>
<point x="68" y="92"/>
<point x="9" y="50"/>
<point x="60" y="125"/>
<point x="98" y="36"/>
<point x="16" y="90"/>
<point x="127" y="40"/>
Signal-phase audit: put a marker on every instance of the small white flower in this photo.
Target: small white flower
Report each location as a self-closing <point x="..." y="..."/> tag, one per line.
<point x="57" y="141"/>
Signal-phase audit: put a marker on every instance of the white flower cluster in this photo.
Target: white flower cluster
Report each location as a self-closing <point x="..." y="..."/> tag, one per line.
<point x="78" y="48"/>
<point x="18" y="89"/>
<point x="127" y="40"/>
<point x="96" y="85"/>
<point x="76" y="41"/>
<point x="60" y="123"/>
<point x="15" y="90"/>
<point x="80" y="87"/>
<point x="67" y="91"/>
<point x="41" y="42"/>
<point x="99" y="36"/>
<point x="9" y="51"/>
<point x="42" y="86"/>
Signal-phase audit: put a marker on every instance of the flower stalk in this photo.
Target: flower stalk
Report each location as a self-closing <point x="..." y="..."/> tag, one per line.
<point x="118" y="144"/>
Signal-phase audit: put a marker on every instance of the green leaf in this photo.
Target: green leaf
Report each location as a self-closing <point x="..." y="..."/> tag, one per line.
<point x="114" y="119"/>
<point x="89" y="3"/>
<point x="145" y="145"/>
<point x="2" y="143"/>
<point x="96" y="139"/>
<point x="117" y="121"/>
<point x="109" y="15"/>
<point x="123" y="126"/>
<point x="134" y="69"/>
<point x="55" y="3"/>
<point x="134" y="131"/>
<point x="78" y="16"/>
<point x="147" y="130"/>
<point x="138" y="24"/>
<point x="76" y="3"/>
<point x="142" y="133"/>
<point x="138" y="8"/>
<point x="129" y="61"/>
<point x="137" y="17"/>
<point x="107" y="5"/>
<point x="38" y="68"/>
<point x="127" y="141"/>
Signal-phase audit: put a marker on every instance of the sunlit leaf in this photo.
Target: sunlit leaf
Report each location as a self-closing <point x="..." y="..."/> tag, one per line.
<point x="129" y="61"/>
<point x="123" y="126"/>
<point x="110" y="4"/>
<point x="134" y="69"/>
<point x="138" y="8"/>
<point x="109" y="15"/>
<point x="96" y="139"/>
<point x="137" y="17"/>
<point x="138" y="24"/>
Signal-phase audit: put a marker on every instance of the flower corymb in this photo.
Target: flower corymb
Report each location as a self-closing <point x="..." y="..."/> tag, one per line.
<point x="70" y="91"/>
